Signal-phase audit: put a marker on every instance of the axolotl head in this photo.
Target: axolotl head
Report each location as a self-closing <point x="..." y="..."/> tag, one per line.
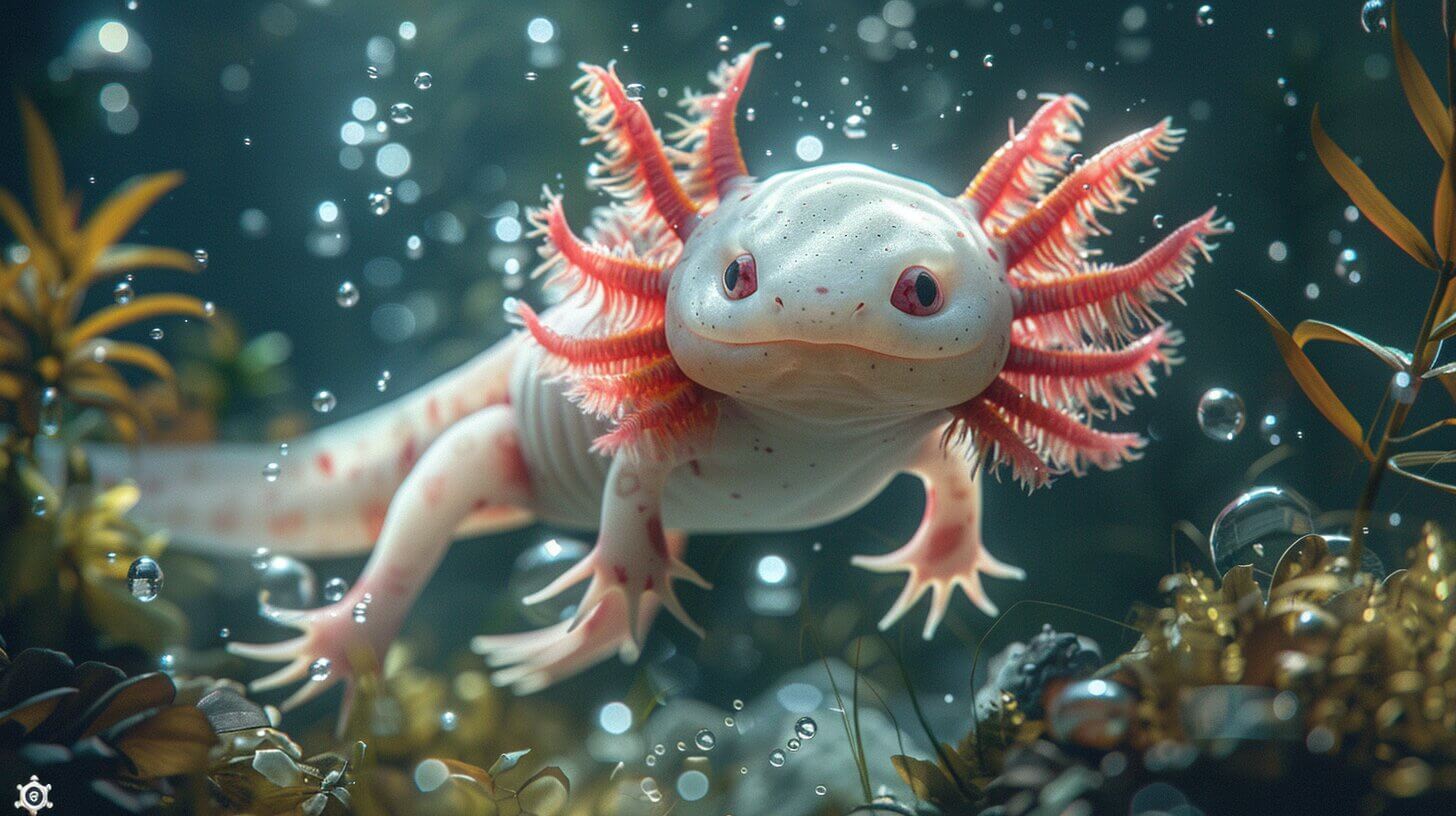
<point x="841" y="290"/>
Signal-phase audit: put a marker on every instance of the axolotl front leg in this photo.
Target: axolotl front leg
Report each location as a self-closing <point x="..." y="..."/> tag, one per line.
<point x="946" y="551"/>
<point x="631" y="570"/>
<point x="476" y="464"/>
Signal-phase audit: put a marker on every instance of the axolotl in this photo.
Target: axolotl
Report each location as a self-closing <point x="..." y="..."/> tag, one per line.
<point x="730" y="354"/>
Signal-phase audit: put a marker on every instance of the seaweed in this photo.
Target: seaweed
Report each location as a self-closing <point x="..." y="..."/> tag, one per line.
<point x="1410" y="368"/>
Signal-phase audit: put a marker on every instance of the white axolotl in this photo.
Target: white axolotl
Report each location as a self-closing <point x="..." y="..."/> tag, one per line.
<point x="734" y="355"/>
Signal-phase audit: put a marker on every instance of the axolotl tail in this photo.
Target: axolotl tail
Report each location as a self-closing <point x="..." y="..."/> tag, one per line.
<point x="328" y="494"/>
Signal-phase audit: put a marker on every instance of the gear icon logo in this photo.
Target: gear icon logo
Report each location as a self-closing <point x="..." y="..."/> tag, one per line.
<point x="34" y="797"/>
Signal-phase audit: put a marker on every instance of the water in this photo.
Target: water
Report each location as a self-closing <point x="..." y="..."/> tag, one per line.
<point x="357" y="214"/>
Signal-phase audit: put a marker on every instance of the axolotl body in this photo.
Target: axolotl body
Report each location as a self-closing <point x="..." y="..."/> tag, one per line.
<point x="731" y="355"/>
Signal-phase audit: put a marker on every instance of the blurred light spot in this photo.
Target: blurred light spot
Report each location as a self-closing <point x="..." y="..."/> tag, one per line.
<point x="351" y="158"/>
<point x="445" y="227"/>
<point x="114" y="97"/>
<point x="540" y="30"/>
<point x="393" y="160"/>
<point x="123" y="121"/>
<point x="872" y="29"/>
<point x="253" y="222"/>
<point x="799" y="698"/>
<point x="431" y="774"/>
<point x="407" y="30"/>
<point x="364" y="109"/>
<point x="351" y="133"/>
<point x="113" y="37"/>
<point x="1377" y="66"/>
<point x="899" y="13"/>
<point x="408" y="191"/>
<point x="235" y="78"/>
<point x="379" y="51"/>
<point x="809" y="148"/>
<point x="1199" y="110"/>
<point x="328" y="212"/>
<point x="772" y="569"/>
<point x="392" y="323"/>
<point x="692" y="785"/>
<point x="508" y="229"/>
<point x="615" y="718"/>
<point x="383" y="272"/>
<point x="1134" y="18"/>
<point x="278" y="19"/>
<point x="1278" y="251"/>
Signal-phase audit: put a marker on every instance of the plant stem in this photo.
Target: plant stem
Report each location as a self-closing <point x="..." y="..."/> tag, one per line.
<point x="1421" y="360"/>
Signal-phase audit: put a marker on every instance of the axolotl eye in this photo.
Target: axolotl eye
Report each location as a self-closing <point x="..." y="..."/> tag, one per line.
<point x="917" y="292"/>
<point x="740" y="277"/>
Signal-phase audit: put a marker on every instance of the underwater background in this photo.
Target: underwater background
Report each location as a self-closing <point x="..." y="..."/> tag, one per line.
<point x="362" y="226"/>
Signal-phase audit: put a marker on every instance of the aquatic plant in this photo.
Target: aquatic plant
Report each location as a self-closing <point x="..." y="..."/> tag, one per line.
<point x="50" y="355"/>
<point x="106" y="742"/>
<point x="1414" y="367"/>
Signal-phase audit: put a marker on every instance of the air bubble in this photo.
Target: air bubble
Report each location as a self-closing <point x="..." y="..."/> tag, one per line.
<point x="378" y="203"/>
<point x="320" y="669"/>
<point x="705" y="740"/>
<point x="1373" y="16"/>
<point x="270" y="472"/>
<point x="423" y="80"/>
<point x="806" y="728"/>
<point x="144" y="579"/>
<point x="1204" y="16"/>
<point x="334" y="589"/>
<point x="401" y="113"/>
<point x="1221" y="414"/>
<point x="347" y="295"/>
<point x="635" y="91"/>
<point x="324" y="402"/>
<point x="777" y="758"/>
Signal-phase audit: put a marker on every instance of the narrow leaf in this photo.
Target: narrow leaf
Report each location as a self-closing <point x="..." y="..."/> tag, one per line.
<point x="47" y="184"/>
<point x="122" y="209"/>
<point x="1425" y="103"/>
<point x="143" y="308"/>
<point x="15" y="217"/>
<point x="1443" y="209"/>
<point x="1310" y="330"/>
<point x="1434" y="426"/>
<point x="124" y="258"/>
<point x="112" y="351"/>
<point x="1402" y="464"/>
<point x="1369" y="199"/>
<point x="1311" y="382"/>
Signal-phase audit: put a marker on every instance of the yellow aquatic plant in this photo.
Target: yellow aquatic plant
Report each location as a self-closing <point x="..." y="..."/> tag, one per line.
<point x="1410" y="368"/>
<point x="45" y="342"/>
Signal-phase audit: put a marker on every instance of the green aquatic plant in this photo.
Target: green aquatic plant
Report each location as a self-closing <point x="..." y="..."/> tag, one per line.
<point x="52" y="355"/>
<point x="1414" y="367"/>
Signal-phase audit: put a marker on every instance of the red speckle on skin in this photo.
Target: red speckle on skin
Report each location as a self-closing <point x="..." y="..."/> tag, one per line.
<point x="225" y="521"/>
<point x="435" y="490"/>
<point x="768" y="450"/>
<point x="513" y="463"/>
<point x="397" y="580"/>
<point x="432" y="412"/>
<point x="696" y="468"/>
<point x="480" y="504"/>
<point x="628" y="484"/>
<point x="993" y="254"/>
<point x="460" y="407"/>
<point x="408" y="455"/>
<point x="287" y="524"/>
<point x="372" y="516"/>
<point x="823" y="290"/>
<point x="960" y="233"/>
<point x="621" y="573"/>
<point x="655" y="537"/>
<point x="355" y="472"/>
<point x="736" y="495"/>
<point x="325" y="464"/>
<point x="647" y="584"/>
<point x="943" y="542"/>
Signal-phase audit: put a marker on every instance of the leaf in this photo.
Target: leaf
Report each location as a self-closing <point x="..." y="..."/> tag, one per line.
<point x="121" y="210"/>
<point x="1401" y="463"/>
<point x="47" y="184"/>
<point x="123" y="258"/>
<point x="114" y="317"/>
<point x="1319" y="330"/>
<point x="32" y="711"/>
<point x="15" y="217"/>
<point x="1443" y="209"/>
<point x="1369" y="199"/>
<point x="1425" y="103"/>
<point x="150" y="690"/>
<point x="1302" y="558"/>
<point x="1434" y="426"/>
<point x="1311" y="382"/>
<point x="173" y="741"/>
<point x="545" y="793"/>
<point x="135" y="354"/>
<point x="928" y="781"/>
